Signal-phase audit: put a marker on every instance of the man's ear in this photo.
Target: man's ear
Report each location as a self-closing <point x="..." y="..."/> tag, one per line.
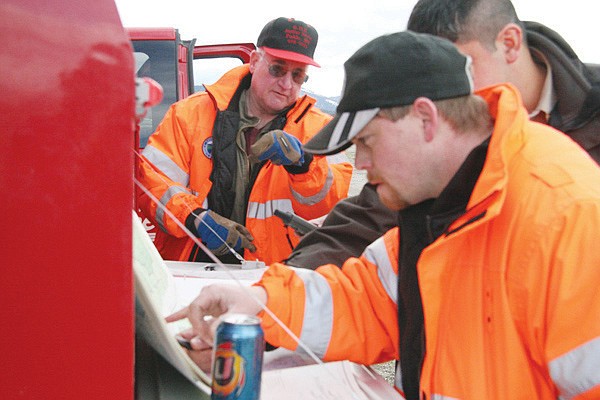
<point x="254" y="59"/>
<point x="427" y="112"/>
<point x="510" y="42"/>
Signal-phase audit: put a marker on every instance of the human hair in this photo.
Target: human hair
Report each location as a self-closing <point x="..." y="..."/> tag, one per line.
<point x="463" y="20"/>
<point x="465" y="113"/>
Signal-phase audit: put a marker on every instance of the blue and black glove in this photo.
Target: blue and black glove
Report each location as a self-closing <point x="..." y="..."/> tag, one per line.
<point x="279" y="147"/>
<point x="215" y="230"/>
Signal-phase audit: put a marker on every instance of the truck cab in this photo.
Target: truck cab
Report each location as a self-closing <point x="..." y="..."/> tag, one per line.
<point x="179" y="66"/>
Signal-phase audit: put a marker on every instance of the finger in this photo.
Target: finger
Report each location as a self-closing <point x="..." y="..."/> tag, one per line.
<point x="176" y="316"/>
<point x="187" y="334"/>
<point x="210" y="303"/>
<point x="202" y="338"/>
<point x="248" y="245"/>
<point x="244" y="231"/>
<point x="200" y="343"/>
<point x="200" y="311"/>
<point x="262" y="144"/>
<point x="244" y="238"/>
<point x="199" y="336"/>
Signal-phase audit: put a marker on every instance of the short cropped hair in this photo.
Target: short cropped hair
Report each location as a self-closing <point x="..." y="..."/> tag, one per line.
<point x="465" y="113"/>
<point x="461" y="21"/>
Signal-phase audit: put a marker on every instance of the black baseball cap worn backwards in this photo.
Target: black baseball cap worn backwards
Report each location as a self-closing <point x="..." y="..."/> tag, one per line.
<point x="389" y="71"/>
<point x="289" y="39"/>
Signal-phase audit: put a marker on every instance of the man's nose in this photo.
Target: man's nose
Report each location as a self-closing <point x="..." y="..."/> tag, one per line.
<point x="361" y="159"/>
<point x="287" y="80"/>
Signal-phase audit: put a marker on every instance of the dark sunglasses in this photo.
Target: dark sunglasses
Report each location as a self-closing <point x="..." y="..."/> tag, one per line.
<point x="278" y="71"/>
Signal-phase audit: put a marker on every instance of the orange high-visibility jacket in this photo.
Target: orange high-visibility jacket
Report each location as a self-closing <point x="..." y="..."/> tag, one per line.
<point x="179" y="166"/>
<point x="510" y="293"/>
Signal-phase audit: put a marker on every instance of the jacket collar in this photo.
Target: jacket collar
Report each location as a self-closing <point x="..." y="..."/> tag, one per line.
<point x="227" y="90"/>
<point x="509" y="115"/>
<point x="575" y="90"/>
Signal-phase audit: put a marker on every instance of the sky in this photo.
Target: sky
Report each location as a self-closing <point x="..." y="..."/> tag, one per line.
<point x="342" y="28"/>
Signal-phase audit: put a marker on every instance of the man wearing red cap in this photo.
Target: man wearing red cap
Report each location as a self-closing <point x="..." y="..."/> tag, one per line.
<point x="222" y="161"/>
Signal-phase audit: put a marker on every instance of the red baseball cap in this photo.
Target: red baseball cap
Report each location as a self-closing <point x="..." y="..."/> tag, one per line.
<point x="289" y="39"/>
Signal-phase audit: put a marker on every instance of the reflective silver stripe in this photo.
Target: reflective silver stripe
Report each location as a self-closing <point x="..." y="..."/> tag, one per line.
<point x="398" y="385"/>
<point x="338" y="158"/>
<point x="376" y="253"/>
<point x="167" y="166"/>
<point x="314" y="199"/>
<point x="578" y="370"/>
<point x="168" y="195"/>
<point x="338" y="130"/>
<point x="266" y="210"/>
<point x="398" y="377"/>
<point x="318" y="312"/>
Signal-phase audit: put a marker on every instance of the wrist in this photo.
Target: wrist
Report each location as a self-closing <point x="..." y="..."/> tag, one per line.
<point x="192" y="219"/>
<point x="300" y="169"/>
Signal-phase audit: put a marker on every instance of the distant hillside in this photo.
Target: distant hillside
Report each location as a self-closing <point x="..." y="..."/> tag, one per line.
<point x="326" y="104"/>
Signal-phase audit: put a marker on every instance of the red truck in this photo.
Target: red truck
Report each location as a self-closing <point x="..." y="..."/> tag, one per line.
<point x="68" y="115"/>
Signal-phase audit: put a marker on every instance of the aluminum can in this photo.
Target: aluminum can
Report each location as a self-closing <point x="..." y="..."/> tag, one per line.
<point x="238" y="358"/>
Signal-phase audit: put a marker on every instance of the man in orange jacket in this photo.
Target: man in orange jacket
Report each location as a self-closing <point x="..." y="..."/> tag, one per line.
<point x="222" y="161"/>
<point x="561" y="91"/>
<point x="487" y="289"/>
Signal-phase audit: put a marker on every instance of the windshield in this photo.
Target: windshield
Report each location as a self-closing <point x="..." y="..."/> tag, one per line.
<point x="156" y="59"/>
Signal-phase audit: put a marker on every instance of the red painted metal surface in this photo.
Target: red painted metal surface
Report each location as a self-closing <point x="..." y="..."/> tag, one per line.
<point x="152" y="33"/>
<point x="66" y="168"/>
<point x="239" y="50"/>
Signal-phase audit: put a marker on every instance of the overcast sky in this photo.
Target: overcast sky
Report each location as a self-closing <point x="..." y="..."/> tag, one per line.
<point x="342" y="27"/>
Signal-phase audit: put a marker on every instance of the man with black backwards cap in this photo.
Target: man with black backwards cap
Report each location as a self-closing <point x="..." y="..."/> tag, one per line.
<point x="223" y="160"/>
<point x="488" y="287"/>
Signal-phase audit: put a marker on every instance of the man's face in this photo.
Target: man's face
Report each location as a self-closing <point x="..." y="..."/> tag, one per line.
<point x="489" y="66"/>
<point x="395" y="156"/>
<point x="276" y="82"/>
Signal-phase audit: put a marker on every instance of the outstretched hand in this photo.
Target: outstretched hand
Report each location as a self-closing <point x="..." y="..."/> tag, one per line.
<point x="203" y="312"/>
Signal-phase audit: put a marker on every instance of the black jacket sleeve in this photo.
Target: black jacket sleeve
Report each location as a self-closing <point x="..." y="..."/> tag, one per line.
<point x="352" y="225"/>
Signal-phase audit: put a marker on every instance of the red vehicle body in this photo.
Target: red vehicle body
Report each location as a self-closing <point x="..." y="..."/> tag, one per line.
<point x="66" y="168"/>
<point x="68" y="118"/>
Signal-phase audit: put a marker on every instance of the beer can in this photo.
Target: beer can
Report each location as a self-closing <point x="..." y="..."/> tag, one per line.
<point x="238" y="358"/>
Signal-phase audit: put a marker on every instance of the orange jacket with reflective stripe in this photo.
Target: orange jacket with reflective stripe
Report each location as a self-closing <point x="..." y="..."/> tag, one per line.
<point x="510" y="293"/>
<point x="179" y="168"/>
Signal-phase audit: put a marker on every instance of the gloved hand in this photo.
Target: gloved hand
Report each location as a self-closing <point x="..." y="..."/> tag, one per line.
<point x="210" y="224"/>
<point x="279" y="147"/>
